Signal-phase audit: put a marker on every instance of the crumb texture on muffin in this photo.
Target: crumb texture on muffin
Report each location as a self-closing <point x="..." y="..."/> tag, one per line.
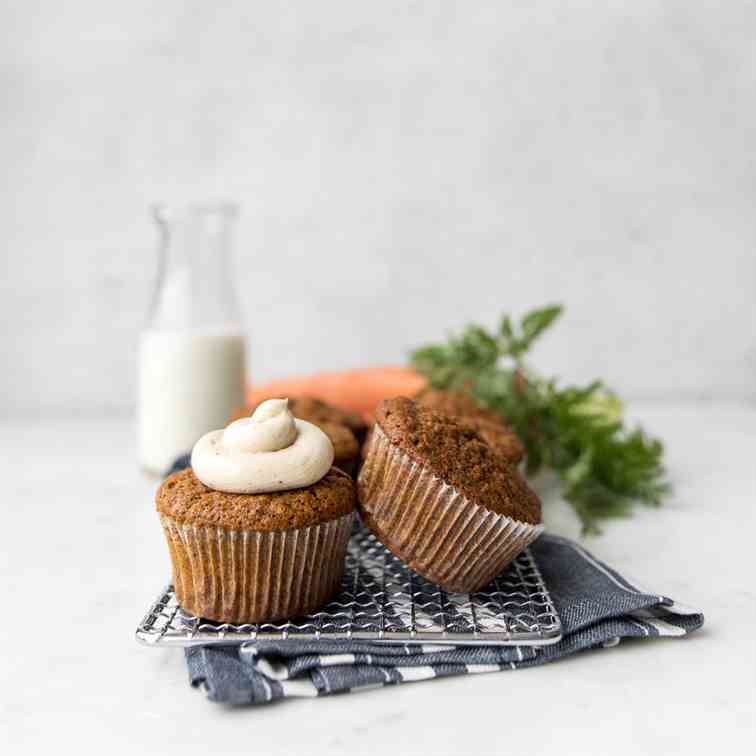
<point x="186" y="499"/>
<point x="456" y="403"/>
<point x="502" y="440"/>
<point x="456" y="453"/>
<point x="346" y="449"/>
<point x="490" y="426"/>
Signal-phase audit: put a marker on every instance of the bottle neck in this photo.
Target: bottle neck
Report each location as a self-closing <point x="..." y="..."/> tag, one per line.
<point x="194" y="288"/>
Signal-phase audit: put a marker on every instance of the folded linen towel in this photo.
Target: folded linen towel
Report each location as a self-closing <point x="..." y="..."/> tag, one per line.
<point x="597" y="606"/>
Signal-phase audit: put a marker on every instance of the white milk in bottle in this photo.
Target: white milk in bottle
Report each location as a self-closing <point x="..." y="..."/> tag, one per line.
<point x="189" y="383"/>
<point x="191" y="371"/>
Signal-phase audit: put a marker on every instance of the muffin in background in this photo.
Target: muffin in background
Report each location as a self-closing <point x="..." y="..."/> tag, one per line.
<point x="317" y="411"/>
<point x="253" y="536"/>
<point x="490" y="426"/>
<point x="442" y="499"/>
<point x="346" y="449"/>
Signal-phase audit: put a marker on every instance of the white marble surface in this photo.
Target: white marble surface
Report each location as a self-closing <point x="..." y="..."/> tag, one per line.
<point x="83" y="556"/>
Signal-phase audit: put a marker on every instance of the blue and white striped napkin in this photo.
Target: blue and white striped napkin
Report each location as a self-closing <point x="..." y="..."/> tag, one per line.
<point x="597" y="606"/>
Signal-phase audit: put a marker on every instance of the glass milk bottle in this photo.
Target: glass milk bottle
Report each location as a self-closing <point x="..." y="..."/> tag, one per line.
<point x="191" y="352"/>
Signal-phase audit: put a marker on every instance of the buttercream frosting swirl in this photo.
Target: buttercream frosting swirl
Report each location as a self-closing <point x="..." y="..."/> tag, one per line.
<point x="269" y="451"/>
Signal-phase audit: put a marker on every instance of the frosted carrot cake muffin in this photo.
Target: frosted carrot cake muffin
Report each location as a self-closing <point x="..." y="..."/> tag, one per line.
<point x="257" y="528"/>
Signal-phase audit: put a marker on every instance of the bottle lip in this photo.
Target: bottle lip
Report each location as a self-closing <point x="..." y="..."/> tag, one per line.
<point x="166" y="211"/>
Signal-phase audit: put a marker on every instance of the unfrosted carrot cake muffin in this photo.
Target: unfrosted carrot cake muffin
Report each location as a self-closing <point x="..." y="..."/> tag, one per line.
<point x="317" y="411"/>
<point x="442" y="499"/>
<point x="489" y="425"/>
<point x="257" y="528"/>
<point x="346" y="449"/>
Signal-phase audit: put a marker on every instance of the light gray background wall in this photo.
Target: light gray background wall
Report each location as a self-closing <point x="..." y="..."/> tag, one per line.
<point x="403" y="168"/>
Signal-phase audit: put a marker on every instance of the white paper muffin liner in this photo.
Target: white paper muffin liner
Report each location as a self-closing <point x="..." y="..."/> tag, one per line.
<point x="428" y="524"/>
<point x="249" y="576"/>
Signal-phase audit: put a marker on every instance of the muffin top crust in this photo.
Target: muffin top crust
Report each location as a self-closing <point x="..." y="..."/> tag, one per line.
<point x="456" y="403"/>
<point x="186" y="499"/>
<point x="345" y="446"/>
<point x="489" y="425"/>
<point x="501" y="439"/>
<point x="454" y="451"/>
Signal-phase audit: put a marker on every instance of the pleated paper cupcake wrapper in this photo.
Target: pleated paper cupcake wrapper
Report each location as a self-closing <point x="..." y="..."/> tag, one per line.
<point x="247" y="576"/>
<point x="430" y="526"/>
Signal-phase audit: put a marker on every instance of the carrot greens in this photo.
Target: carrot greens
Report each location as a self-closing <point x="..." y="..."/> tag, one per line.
<point x="605" y="468"/>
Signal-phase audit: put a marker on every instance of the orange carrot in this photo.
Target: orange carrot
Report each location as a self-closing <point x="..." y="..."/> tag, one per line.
<point x="359" y="390"/>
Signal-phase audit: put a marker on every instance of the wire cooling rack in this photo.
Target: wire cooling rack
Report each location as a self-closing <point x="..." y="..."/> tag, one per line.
<point x="382" y="600"/>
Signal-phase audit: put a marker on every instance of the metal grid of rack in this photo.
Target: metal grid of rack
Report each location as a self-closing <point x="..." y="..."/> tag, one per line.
<point x="382" y="600"/>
